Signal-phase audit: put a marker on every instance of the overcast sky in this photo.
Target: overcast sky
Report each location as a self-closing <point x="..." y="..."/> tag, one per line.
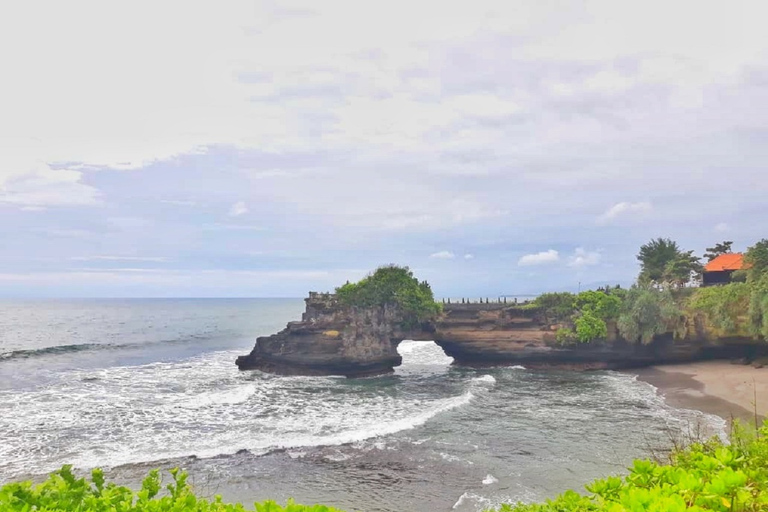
<point x="241" y="148"/>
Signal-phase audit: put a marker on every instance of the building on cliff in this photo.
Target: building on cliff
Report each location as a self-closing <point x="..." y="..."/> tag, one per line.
<point x="720" y="269"/>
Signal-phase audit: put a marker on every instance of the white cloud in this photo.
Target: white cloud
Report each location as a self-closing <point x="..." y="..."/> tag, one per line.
<point x="157" y="259"/>
<point x="540" y="258"/>
<point x="443" y="255"/>
<point x="722" y="227"/>
<point x="238" y="209"/>
<point x="469" y="256"/>
<point x="624" y="209"/>
<point x="232" y="227"/>
<point x="584" y="258"/>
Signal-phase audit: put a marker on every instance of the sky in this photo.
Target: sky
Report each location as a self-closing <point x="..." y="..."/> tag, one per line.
<point x="267" y="148"/>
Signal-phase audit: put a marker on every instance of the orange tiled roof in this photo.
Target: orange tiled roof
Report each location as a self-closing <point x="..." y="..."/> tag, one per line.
<point x="733" y="261"/>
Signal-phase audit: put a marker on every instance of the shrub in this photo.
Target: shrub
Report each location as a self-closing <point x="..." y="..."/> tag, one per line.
<point x="63" y="492"/>
<point x="711" y="476"/>
<point x="565" y="336"/>
<point x="590" y="327"/>
<point x="601" y="304"/>
<point x="724" y="307"/>
<point x="557" y="307"/>
<point x="648" y="312"/>
<point x="758" y="307"/>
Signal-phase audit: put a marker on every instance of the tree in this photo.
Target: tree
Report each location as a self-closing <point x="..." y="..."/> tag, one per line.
<point x="682" y="269"/>
<point x="717" y="250"/>
<point x="654" y="258"/>
<point x="756" y="259"/>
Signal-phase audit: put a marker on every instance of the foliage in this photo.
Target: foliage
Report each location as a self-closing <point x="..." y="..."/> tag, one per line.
<point x="565" y="336"/>
<point x="647" y="312"/>
<point x="678" y="272"/>
<point x="603" y="305"/>
<point x="724" y="307"/>
<point x="586" y="313"/>
<point x="756" y="259"/>
<point x="557" y="307"/>
<point x="758" y="307"/>
<point x="64" y="492"/>
<point x="717" y="250"/>
<point x="654" y="258"/>
<point x="711" y="476"/>
<point x="662" y="261"/>
<point x="590" y="327"/>
<point x="392" y="285"/>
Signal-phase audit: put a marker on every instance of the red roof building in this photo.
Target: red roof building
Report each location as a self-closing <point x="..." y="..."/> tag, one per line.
<point x="719" y="270"/>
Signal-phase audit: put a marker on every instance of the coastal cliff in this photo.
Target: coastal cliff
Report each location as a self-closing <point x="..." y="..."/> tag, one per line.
<point x="334" y="339"/>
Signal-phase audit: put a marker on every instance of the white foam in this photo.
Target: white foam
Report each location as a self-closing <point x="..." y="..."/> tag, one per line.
<point x="472" y="501"/>
<point x="486" y="379"/>
<point x="490" y="479"/>
<point x="161" y="410"/>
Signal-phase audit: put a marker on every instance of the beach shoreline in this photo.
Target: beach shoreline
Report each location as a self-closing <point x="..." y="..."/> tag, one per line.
<point x="728" y="390"/>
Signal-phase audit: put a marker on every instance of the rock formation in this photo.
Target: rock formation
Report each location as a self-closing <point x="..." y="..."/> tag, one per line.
<point x="332" y="339"/>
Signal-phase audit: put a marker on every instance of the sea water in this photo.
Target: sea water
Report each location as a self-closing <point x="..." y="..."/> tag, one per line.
<point x="131" y="385"/>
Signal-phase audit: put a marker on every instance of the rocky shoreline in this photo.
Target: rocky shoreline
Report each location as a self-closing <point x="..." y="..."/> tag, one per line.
<point x="332" y="339"/>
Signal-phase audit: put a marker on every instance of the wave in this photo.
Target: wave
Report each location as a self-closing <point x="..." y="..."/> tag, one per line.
<point x="485" y="379"/>
<point x="128" y="456"/>
<point x="55" y="350"/>
<point x="84" y="347"/>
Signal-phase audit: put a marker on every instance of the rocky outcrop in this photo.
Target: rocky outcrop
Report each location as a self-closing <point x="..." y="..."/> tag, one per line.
<point x="332" y="339"/>
<point x="496" y="334"/>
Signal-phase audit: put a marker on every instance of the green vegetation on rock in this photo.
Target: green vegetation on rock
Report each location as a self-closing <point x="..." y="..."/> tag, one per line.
<point x="392" y="285"/>
<point x="646" y="313"/>
<point x="664" y="302"/>
<point x="583" y="317"/>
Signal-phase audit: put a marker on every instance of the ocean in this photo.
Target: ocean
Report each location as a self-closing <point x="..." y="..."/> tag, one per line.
<point x="131" y="385"/>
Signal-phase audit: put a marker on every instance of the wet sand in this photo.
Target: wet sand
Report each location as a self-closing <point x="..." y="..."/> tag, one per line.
<point x="716" y="387"/>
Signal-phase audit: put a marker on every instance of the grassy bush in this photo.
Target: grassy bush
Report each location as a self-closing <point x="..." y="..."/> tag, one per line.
<point x="63" y="492"/>
<point x="648" y="312"/>
<point x="724" y="308"/>
<point x="710" y="476"/>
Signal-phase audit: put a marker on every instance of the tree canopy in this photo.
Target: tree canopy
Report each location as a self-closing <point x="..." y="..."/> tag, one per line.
<point x="756" y="259"/>
<point x="717" y="250"/>
<point x="392" y="285"/>
<point x="662" y="261"/>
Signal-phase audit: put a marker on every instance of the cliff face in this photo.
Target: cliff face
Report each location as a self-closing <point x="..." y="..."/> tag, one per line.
<point x="334" y="340"/>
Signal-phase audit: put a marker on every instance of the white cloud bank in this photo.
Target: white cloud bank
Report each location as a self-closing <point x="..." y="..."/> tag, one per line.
<point x="540" y="258"/>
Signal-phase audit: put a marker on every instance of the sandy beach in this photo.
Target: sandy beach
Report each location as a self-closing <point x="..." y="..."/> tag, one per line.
<point x="716" y="387"/>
